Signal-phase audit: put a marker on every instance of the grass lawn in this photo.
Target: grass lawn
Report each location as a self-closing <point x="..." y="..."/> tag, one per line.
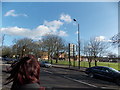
<point x="85" y="63"/>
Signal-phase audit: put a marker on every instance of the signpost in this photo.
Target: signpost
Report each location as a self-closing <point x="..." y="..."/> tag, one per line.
<point x="72" y="52"/>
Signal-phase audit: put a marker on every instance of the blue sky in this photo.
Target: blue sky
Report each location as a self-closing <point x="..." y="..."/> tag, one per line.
<point x="36" y="19"/>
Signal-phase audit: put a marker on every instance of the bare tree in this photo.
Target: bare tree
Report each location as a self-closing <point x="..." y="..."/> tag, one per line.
<point x="53" y="44"/>
<point x="88" y="53"/>
<point x="6" y="51"/>
<point x="97" y="49"/>
<point x="26" y="46"/>
<point x="116" y="39"/>
<point x="116" y="42"/>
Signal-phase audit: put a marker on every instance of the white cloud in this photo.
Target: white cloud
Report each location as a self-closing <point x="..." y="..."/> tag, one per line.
<point x="77" y="32"/>
<point x="51" y="27"/>
<point x="66" y="18"/>
<point x="41" y="30"/>
<point x="102" y="38"/>
<point x="48" y="27"/>
<point x="16" y="31"/>
<point x="62" y="33"/>
<point x="12" y="13"/>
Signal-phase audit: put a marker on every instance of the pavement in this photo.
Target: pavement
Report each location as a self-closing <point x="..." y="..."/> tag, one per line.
<point x="82" y="69"/>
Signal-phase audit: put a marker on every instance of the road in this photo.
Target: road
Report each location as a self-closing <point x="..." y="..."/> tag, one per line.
<point x="57" y="78"/>
<point x="51" y="79"/>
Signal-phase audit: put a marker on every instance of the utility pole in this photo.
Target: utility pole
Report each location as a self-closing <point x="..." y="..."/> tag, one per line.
<point x="3" y="38"/>
<point x="73" y="55"/>
<point x="78" y="43"/>
<point x="69" y="56"/>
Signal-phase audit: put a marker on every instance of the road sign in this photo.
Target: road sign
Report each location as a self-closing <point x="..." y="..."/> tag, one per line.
<point x="72" y="49"/>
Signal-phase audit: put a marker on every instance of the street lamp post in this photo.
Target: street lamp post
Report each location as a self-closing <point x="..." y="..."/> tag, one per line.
<point x="3" y="38"/>
<point x="78" y="43"/>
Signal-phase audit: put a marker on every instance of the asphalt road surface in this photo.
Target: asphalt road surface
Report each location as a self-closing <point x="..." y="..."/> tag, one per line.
<point x="51" y="79"/>
<point x="60" y="79"/>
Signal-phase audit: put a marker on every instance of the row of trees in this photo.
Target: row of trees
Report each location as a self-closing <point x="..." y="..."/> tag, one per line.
<point x="54" y="44"/>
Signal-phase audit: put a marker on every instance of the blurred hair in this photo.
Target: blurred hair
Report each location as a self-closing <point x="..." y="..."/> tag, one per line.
<point x="26" y="71"/>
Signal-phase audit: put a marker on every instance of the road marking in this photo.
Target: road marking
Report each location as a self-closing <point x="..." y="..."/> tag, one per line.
<point x="75" y="80"/>
<point x="48" y="72"/>
<point x="81" y="82"/>
<point x="103" y="87"/>
<point x="4" y="64"/>
<point x="78" y="81"/>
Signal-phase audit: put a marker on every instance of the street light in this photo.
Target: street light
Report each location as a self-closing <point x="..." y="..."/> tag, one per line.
<point x="3" y="38"/>
<point x="78" y="43"/>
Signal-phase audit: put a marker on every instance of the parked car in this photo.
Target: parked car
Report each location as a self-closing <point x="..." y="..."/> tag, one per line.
<point x="45" y="64"/>
<point x="9" y="60"/>
<point x="104" y="72"/>
<point x="9" y="68"/>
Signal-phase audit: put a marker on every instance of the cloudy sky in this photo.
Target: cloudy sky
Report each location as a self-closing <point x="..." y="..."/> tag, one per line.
<point x="36" y="19"/>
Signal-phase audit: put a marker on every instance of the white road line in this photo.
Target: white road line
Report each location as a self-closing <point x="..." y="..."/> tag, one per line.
<point x="75" y="80"/>
<point x="48" y="72"/>
<point x="4" y="64"/>
<point x="81" y="82"/>
<point x="103" y="87"/>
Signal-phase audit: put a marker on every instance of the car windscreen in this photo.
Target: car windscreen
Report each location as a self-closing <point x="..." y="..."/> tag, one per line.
<point x="114" y="70"/>
<point x="46" y="62"/>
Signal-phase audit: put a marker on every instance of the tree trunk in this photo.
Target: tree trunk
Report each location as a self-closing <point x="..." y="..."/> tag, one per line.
<point x="57" y="56"/>
<point x="95" y="62"/>
<point x="51" y="57"/>
<point x="48" y="56"/>
<point x="74" y="61"/>
<point x="57" y="60"/>
<point x="89" y="62"/>
<point x="51" y="61"/>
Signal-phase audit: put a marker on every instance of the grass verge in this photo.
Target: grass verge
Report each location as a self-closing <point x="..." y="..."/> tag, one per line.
<point x="85" y="63"/>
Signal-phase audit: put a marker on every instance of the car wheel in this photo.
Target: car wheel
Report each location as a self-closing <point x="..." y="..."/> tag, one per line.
<point x="91" y="75"/>
<point x="118" y="82"/>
